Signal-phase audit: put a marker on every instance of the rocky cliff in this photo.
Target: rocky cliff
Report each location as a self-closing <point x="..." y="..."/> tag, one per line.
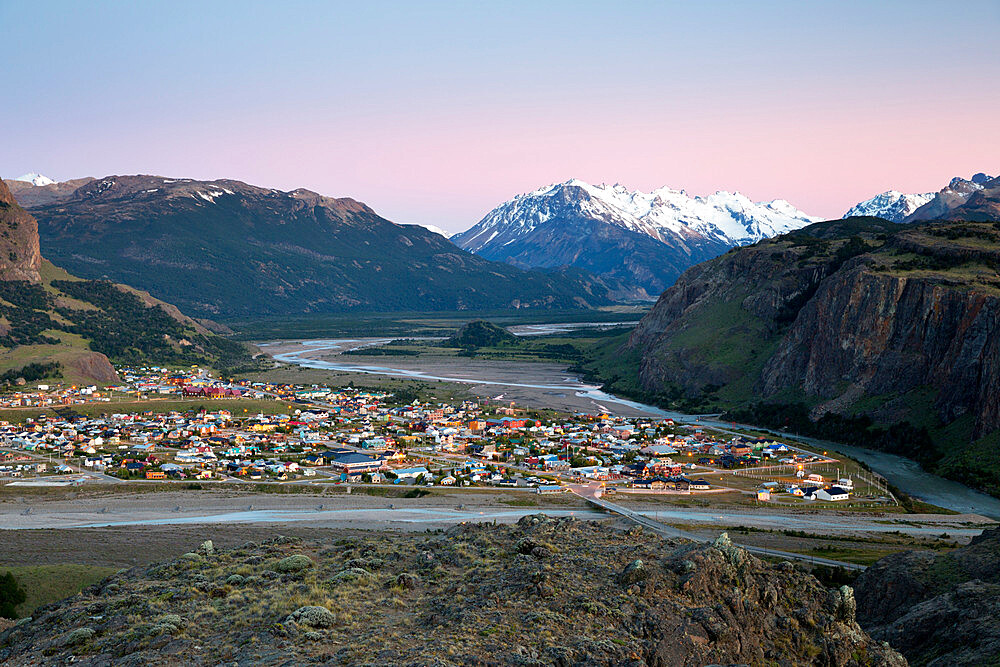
<point x="722" y="319"/>
<point x="936" y="608"/>
<point x="873" y="331"/>
<point x="859" y="317"/>
<point x="542" y="592"/>
<point x="20" y="258"/>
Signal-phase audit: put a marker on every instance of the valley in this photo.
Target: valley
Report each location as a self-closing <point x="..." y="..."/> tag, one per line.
<point x="470" y="334"/>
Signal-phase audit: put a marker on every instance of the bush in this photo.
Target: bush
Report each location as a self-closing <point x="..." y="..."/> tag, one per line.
<point x="11" y="595"/>
<point x="295" y="563"/>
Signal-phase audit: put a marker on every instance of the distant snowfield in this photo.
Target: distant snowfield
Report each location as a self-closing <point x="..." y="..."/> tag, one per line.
<point x="35" y="179"/>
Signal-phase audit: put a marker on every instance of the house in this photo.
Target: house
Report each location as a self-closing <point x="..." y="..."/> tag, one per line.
<point x="764" y="494"/>
<point x="314" y="460"/>
<point x="833" y="493"/>
<point x="403" y="474"/>
<point x="549" y="488"/>
<point x="155" y="474"/>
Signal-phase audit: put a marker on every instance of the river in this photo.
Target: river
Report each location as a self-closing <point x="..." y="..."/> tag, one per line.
<point x="551" y="386"/>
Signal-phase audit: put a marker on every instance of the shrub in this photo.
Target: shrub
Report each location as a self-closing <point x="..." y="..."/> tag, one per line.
<point x="295" y="563"/>
<point x="11" y="595"/>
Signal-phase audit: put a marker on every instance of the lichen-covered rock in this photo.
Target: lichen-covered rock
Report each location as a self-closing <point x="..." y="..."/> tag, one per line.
<point x="78" y="636"/>
<point x="733" y="554"/>
<point x="633" y="573"/>
<point x="294" y="563"/>
<point x="313" y="617"/>
<point x="407" y="580"/>
<point x="842" y="603"/>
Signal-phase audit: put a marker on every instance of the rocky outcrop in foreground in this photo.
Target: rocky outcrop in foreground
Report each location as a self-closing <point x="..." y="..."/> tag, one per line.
<point x="542" y="592"/>
<point x="937" y="609"/>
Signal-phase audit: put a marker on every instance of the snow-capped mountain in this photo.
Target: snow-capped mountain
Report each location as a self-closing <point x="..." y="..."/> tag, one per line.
<point x="35" y="179"/>
<point x="430" y="228"/>
<point x="650" y="238"/>
<point x="891" y="205"/>
<point x="955" y="194"/>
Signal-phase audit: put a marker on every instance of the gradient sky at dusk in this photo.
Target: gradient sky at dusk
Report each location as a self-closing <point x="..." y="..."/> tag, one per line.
<point x="434" y="112"/>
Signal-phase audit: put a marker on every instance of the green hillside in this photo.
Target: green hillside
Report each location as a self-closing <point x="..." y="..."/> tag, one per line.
<point x="65" y="325"/>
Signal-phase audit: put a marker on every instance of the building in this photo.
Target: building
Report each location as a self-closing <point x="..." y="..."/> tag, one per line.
<point x="403" y="474"/>
<point x="833" y="493"/>
<point x="356" y="463"/>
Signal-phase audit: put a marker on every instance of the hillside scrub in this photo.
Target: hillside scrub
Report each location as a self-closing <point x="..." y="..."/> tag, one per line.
<point x="542" y="591"/>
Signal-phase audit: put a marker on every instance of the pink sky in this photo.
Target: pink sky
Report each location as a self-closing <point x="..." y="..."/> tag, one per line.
<point x="435" y="112"/>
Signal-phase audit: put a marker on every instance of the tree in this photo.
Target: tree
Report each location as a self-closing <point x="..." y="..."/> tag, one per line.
<point x="11" y="595"/>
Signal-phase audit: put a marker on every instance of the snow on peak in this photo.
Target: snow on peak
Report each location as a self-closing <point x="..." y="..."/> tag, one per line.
<point x="35" y="179"/>
<point x="664" y="214"/>
<point x="431" y="228"/>
<point x="891" y="205"/>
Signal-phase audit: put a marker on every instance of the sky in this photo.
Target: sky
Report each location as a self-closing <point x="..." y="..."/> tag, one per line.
<point x="435" y="112"/>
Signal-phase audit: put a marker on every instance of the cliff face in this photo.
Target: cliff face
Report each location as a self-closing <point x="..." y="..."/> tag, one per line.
<point x="20" y="258"/>
<point x="720" y="321"/>
<point x="882" y="333"/>
<point x="899" y="323"/>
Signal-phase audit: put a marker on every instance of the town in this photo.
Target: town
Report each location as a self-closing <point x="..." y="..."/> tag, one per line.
<point x="359" y="436"/>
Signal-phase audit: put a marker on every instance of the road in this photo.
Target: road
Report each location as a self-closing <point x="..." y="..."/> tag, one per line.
<point x="592" y="494"/>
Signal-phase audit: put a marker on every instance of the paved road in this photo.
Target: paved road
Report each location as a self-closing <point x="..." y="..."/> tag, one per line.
<point x="592" y="494"/>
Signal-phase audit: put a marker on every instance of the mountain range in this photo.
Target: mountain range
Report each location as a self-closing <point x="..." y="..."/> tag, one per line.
<point x="228" y="249"/>
<point x="646" y="239"/>
<point x="900" y="207"/>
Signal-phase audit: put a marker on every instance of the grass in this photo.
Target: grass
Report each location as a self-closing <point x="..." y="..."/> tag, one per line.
<point x="414" y="323"/>
<point x="44" y="584"/>
<point x="859" y="556"/>
<point x="520" y="502"/>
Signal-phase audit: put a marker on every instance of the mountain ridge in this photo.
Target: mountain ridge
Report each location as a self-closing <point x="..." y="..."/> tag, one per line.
<point x="608" y="229"/>
<point x="918" y="207"/>
<point x="225" y="248"/>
